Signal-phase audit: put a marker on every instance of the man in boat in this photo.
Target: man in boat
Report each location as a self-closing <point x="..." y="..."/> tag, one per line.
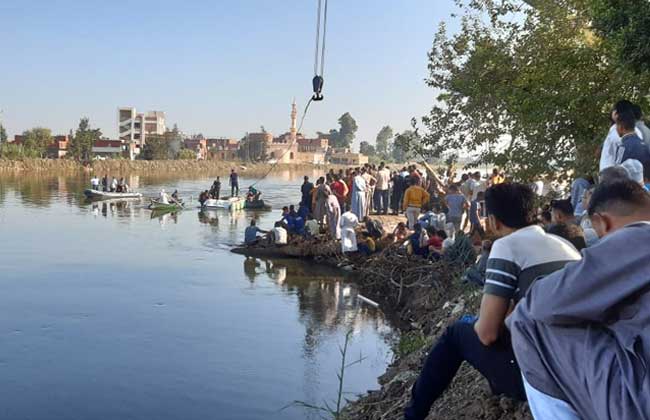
<point x="164" y="198"/>
<point x="203" y="197"/>
<point x="253" y="194"/>
<point x="250" y="234"/>
<point x="234" y="183"/>
<point x="94" y="183"/>
<point x="105" y="183"/>
<point x="215" y="190"/>
<point x="114" y="185"/>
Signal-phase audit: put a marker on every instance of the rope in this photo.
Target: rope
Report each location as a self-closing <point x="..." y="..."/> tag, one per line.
<point x="273" y="166"/>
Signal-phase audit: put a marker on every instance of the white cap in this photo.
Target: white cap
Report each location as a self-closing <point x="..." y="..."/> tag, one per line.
<point x="634" y="170"/>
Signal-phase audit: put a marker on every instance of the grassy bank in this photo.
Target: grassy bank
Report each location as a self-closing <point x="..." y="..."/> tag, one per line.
<point x="123" y="166"/>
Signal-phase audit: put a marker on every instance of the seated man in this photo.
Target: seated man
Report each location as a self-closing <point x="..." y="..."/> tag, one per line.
<point x="250" y="234"/>
<point x="562" y="212"/>
<point x="523" y="253"/>
<point x="570" y="232"/>
<point x="581" y="335"/>
<point x="279" y="234"/>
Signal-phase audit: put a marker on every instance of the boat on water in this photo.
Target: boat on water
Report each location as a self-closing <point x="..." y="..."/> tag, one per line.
<point x="226" y="203"/>
<point x="256" y="205"/>
<point x="159" y="206"/>
<point x="106" y="195"/>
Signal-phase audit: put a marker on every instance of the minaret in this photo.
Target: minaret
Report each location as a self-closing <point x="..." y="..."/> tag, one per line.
<point x="294" y="120"/>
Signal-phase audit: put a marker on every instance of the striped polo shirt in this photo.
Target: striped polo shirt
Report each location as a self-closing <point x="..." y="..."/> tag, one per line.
<point x="517" y="260"/>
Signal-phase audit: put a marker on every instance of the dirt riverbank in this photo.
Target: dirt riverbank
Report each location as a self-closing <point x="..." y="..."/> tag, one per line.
<point x="123" y="166"/>
<point x="426" y="297"/>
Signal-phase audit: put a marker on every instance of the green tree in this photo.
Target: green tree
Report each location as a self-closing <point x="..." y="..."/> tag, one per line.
<point x="81" y="144"/>
<point x="163" y="146"/>
<point x="367" y="149"/>
<point x="344" y="136"/>
<point x="383" y="137"/>
<point x="625" y="26"/>
<point x="401" y="145"/>
<point x="3" y="134"/>
<point x="528" y="89"/>
<point x="37" y="139"/>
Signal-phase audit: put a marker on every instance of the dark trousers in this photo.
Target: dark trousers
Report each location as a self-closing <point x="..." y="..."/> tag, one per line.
<point x="460" y="343"/>
<point x="381" y="201"/>
<point x="396" y="201"/>
<point x="234" y="188"/>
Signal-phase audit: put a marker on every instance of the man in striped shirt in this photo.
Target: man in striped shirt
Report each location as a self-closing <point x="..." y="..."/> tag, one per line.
<point x="523" y="254"/>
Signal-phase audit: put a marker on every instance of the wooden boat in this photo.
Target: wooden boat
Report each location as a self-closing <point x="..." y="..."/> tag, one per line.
<point x="157" y="205"/>
<point x="106" y="195"/>
<point x="256" y="205"/>
<point x="304" y="250"/>
<point x="226" y="203"/>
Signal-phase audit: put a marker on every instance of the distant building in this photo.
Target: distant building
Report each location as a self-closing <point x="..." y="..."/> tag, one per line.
<point x="290" y="147"/>
<point x="345" y="156"/>
<point x="57" y="149"/>
<point x="223" y="148"/>
<point x="133" y="127"/>
<point x="198" y="145"/>
<point x="109" y="148"/>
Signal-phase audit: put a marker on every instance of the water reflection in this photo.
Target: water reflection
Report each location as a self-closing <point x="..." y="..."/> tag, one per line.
<point x="170" y="315"/>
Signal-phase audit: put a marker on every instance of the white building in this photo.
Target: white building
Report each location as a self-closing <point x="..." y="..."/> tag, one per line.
<point x="133" y="128"/>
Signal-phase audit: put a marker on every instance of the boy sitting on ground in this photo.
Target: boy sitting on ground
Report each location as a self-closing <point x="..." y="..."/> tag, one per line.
<point x="523" y="253"/>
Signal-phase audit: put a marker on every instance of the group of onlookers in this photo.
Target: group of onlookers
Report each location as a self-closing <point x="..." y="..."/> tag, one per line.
<point x="565" y="314"/>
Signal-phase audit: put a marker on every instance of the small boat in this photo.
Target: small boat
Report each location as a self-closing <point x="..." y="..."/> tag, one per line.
<point x="157" y="205"/>
<point x="256" y="205"/>
<point x="106" y="195"/>
<point x="226" y="203"/>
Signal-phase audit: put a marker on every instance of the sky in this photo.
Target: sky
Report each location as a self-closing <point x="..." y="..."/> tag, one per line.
<point x="216" y="67"/>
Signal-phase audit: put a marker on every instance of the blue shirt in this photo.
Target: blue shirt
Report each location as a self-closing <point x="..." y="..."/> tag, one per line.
<point x="578" y="189"/>
<point x="250" y="234"/>
<point x="635" y="148"/>
<point x="455" y="203"/>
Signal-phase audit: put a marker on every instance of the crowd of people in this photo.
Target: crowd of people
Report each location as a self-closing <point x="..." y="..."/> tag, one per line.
<point x="106" y="185"/>
<point x="561" y="323"/>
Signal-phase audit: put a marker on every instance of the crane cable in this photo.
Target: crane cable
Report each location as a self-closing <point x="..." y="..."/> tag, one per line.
<point x="317" y="81"/>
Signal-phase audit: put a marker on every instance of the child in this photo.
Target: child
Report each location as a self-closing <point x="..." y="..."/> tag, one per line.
<point x="401" y="232"/>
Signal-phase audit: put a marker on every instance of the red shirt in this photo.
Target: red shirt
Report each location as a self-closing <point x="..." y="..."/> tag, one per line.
<point x="339" y="189"/>
<point x="435" y="242"/>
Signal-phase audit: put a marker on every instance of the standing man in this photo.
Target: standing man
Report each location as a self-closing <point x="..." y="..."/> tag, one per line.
<point x="234" y="183"/>
<point x="381" y="189"/>
<point x="415" y="198"/>
<point x="305" y="190"/>
<point x="610" y="154"/>
<point x="632" y="145"/>
<point x="371" y="182"/>
<point x="359" y="190"/>
<point x="340" y="190"/>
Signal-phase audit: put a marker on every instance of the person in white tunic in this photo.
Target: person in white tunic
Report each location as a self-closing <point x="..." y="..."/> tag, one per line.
<point x="349" y="221"/>
<point x="164" y="199"/>
<point x="359" y="189"/>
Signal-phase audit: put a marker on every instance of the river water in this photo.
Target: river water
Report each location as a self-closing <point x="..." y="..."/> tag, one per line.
<point x="108" y="313"/>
